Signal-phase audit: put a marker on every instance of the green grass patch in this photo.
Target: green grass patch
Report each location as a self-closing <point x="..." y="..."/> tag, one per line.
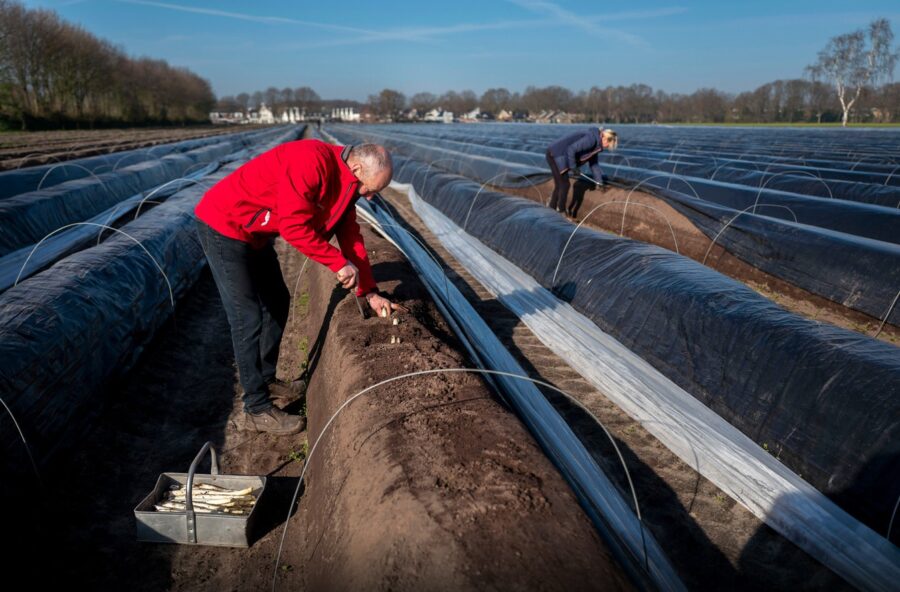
<point x="301" y="453"/>
<point x="302" y="304"/>
<point x="304" y="353"/>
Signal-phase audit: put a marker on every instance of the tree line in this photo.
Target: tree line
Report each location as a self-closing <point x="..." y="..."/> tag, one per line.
<point x="54" y="74"/>
<point x="782" y="101"/>
<point x="278" y="98"/>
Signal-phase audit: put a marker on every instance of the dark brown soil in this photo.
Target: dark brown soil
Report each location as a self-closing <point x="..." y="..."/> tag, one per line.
<point x="424" y="484"/>
<point x="649" y="218"/>
<point x="24" y="149"/>
<point x="428" y="483"/>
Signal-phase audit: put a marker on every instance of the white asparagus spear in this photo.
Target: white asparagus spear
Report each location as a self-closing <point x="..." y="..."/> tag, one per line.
<point x="175" y="508"/>
<point x="249" y="500"/>
<point x="216" y="496"/>
<point x="180" y="507"/>
<point x="212" y="490"/>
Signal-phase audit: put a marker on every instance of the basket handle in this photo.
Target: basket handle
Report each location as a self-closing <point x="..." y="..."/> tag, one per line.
<point x="189" y="502"/>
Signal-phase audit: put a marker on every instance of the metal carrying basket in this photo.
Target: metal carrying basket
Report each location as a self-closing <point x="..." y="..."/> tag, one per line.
<point x="198" y="528"/>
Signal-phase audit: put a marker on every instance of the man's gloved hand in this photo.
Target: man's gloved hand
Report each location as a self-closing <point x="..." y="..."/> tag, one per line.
<point x="348" y="276"/>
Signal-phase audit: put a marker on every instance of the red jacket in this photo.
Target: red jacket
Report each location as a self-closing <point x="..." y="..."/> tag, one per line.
<point x="303" y="191"/>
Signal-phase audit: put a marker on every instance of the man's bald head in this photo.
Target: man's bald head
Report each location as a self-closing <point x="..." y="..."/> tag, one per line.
<point x="371" y="163"/>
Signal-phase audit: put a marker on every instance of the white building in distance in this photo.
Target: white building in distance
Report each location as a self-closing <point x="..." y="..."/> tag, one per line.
<point x="439" y="115"/>
<point x="292" y="115"/>
<point x="345" y="114"/>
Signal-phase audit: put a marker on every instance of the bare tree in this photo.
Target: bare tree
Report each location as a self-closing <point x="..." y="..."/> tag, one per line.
<point x="548" y="98"/>
<point x="271" y="96"/>
<point x="306" y="98"/>
<point x="423" y="102"/>
<point x="888" y="101"/>
<point x="851" y="65"/>
<point x="388" y="103"/>
<point x="495" y="100"/>
<point x="709" y="105"/>
<point x="53" y="74"/>
<point x="287" y="96"/>
<point x="468" y="100"/>
<point x="243" y="101"/>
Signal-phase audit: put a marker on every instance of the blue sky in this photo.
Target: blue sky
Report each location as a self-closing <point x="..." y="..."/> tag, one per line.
<point x="351" y="49"/>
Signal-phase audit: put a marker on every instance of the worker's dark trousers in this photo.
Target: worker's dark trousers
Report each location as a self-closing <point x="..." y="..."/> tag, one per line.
<point x="560" y="186"/>
<point x="256" y="303"/>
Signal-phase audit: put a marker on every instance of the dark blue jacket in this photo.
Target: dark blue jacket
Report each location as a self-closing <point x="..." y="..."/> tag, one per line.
<point x="576" y="149"/>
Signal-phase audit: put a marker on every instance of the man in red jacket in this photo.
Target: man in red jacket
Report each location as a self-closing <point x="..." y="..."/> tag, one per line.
<point x="304" y="191"/>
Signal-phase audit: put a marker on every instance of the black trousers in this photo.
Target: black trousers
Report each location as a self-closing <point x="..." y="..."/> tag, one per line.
<point x="256" y="303"/>
<point x="560" y="186"/>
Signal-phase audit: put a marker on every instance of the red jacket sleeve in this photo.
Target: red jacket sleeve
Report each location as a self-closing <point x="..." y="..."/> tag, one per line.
<point x="353" y="247"/>
<point x="297" y="193"/>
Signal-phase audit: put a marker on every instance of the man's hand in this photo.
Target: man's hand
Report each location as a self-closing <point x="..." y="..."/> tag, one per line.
<point x="381" y="305"/>
<point x="348" y="276"/>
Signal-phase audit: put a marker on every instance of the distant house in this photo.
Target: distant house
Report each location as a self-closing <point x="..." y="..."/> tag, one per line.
<point x="504" y="115"/>
<point x="366" y="115"/>
<point x="226" y="117"/>
<point x="261" y="116"/>
<point x="471" y="116"/>
<point x="881" y="115"/>
<point x="293" y="115"/>
<point x="553" y="117"/>
<point x="266" y="117"/>
<point x="439" y="115"/>
<point x="345" y="114"/>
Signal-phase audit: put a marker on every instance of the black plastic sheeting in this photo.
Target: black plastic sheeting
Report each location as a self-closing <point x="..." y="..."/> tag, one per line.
<point x="856" y="272"/>
<point x="66" y="332"/>
<point x="824" y="399"/>
<point x="685" y="152"/>
<point x="791" y="179"/>
<point x="19" y="265"/>
<point x="28" y="217"/>
<point x="860" y="155"/>
<point x="841" y="260"/>
<point x="27" y="179"/>
<point x="857" y="219"/>
<point x="514" y="168"/>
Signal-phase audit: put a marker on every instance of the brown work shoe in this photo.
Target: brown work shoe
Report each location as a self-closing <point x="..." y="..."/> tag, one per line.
<point x="289" y="390"/>
<point x="273" y="421"/>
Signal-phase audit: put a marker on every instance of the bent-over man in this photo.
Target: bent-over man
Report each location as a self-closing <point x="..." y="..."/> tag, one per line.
<point x="304" y="191"/>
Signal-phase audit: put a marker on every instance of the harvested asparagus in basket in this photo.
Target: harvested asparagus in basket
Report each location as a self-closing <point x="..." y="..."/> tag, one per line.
<point x="208" y="498"/>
